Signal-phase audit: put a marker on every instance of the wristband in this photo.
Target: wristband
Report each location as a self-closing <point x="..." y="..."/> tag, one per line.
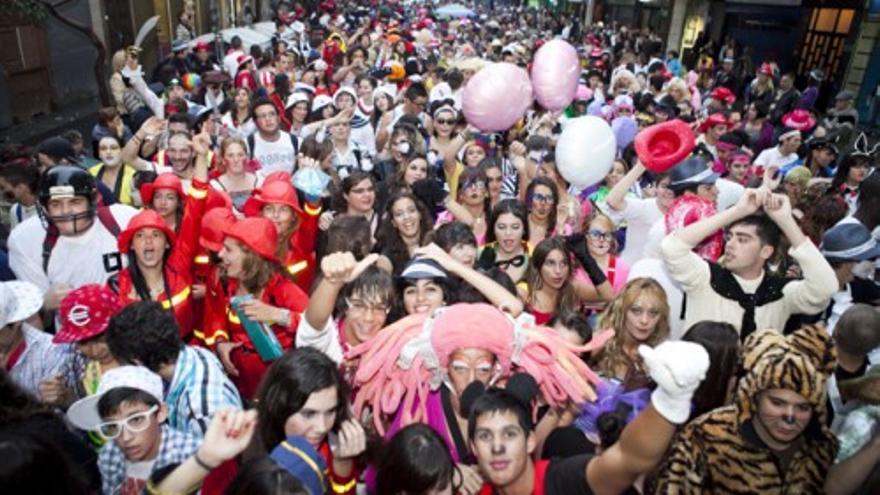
<point x="204" y="465"/>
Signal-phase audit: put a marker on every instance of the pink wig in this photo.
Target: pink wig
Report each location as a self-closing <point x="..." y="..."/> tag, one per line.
<point x="407" y="360"/>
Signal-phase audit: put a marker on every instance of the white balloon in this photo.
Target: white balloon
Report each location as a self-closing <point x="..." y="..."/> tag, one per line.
<point x="585" y="151"/>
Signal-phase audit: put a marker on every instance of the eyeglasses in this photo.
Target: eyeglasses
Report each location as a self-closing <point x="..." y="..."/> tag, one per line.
<point x="478" y="185"/>
<point x="598" y="235"/>
<point x="360" y="307"/>
<point x="135" y="423"/>
<point x="444" y="121"/>
<point x="542" y="198"/>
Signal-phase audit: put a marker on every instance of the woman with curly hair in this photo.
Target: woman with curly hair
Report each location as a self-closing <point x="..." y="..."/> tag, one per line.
<point x="638" y="315"/>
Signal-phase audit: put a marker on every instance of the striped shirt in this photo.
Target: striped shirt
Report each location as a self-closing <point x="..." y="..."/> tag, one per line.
<point x="199" y="389"/>
<point x="41" y="359"/>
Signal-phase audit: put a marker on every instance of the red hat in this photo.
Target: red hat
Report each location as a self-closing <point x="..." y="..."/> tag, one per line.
<point x="272" y="192"/>
<point x="723" y="94"/>
<point x="85" y="313"/>
<point x="799" y="119"/>
<point x="201" y="45"/>
<point x="143" y="220"/>
<point x="662" y="146"/>
<point x="278" y="175"/>
<point x="766" y="69"/>
<point x="258" y="234"/>
<point x="243" y="59"/>
<point x="163" y="181"/>
<point x="214" y="225"/>
<point x="713" y="120"/>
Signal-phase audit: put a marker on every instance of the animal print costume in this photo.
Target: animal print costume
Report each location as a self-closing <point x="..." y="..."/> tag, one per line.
<point x="720" y="453"/>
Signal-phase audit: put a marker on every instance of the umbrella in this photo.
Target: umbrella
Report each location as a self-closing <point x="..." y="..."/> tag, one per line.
<point x="454" y="10"/>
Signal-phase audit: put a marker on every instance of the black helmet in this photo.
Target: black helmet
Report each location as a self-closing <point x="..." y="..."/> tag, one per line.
<point x="67" y="181"/>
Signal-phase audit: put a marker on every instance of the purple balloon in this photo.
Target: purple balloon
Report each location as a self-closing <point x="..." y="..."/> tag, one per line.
<point x="555" y="74"/>
<point x="625" y="130"/>
<point x="497" y="97"/>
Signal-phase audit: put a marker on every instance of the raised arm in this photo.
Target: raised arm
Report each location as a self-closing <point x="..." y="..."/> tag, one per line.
<point x="616" y="198"/>
<point x="131" y="151"/>
<point x="493" y="291"/>
<point x="337" y="269"/>
<point x="749" y="203"/>
<point x="677" y="368"/>
<point x="228" y="434"/>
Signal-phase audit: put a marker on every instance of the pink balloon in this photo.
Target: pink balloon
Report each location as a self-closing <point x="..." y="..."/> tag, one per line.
<point x="497" y="97"/>
<point x="555" y="75"/>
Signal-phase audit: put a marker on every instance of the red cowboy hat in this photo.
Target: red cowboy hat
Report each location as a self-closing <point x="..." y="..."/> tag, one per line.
<point x="243" y="59"/>
<point x="201" y="45"/>
<point x="799" y="119"/>
<point x="272" y="192"/>
<point x="766" y="69"/>
<point x="163" y="181"/>
<point x="258" y="234"/>
<point x="214" y="225"/>
<point x="713" y="120"/>
<point x="144" y="219"/>
<point x="663" y="146"/>
<point x="85" y="313"/>
<point x="723" y="94"/>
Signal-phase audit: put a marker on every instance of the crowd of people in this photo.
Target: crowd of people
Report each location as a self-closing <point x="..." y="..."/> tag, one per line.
<point x="302" y="269"/>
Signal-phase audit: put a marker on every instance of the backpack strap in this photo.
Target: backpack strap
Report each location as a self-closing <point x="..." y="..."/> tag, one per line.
<point x="250" y="143"/>
<point x="357" y="157"/>
<point x="49" y="242"/>
<point x="108" y="220"/>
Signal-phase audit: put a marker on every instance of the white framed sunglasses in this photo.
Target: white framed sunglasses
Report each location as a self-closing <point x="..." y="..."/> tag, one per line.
<point x="135" y="423"/>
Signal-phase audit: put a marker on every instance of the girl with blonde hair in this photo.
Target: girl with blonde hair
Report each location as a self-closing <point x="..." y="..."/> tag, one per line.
<point x="638" y="315"/>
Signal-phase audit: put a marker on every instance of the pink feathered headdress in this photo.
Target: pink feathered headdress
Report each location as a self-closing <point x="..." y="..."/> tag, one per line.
<point x="407" y="360"/>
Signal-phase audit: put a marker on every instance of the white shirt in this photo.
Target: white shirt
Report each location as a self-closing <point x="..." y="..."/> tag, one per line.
<point x="19" y="213"/>
<point x="90" y="258"/>
<point x="230" y="62"/>
<point x="243" y="130"/>
<point x="275" y="155"/>
<point x="772" y="157"/>
<point x="326" y="340"/>
<point x="639" y="214"/>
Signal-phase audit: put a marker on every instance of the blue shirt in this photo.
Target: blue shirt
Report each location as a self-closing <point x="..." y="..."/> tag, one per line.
<point x="199" y="389"/>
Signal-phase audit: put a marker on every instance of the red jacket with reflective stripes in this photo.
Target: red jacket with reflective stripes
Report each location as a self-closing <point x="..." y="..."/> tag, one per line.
<point x="178" y="267"/>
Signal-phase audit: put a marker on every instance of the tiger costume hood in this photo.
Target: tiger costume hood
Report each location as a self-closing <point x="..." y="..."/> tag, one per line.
<point x="800" y="362"/>
<point x="720" y="452"/>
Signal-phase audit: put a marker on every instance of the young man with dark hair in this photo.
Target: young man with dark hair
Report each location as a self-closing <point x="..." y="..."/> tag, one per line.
<point x="128" y="409"/>
<point x="275" y="149"/>
<point x="144" y="333"/>
<point x="739" y="291"/>
<point x="18" y="185"/>
<point x="501" y="434"/>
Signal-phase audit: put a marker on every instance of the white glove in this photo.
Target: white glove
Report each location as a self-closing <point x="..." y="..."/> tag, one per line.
<point x="677" y="368"/>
